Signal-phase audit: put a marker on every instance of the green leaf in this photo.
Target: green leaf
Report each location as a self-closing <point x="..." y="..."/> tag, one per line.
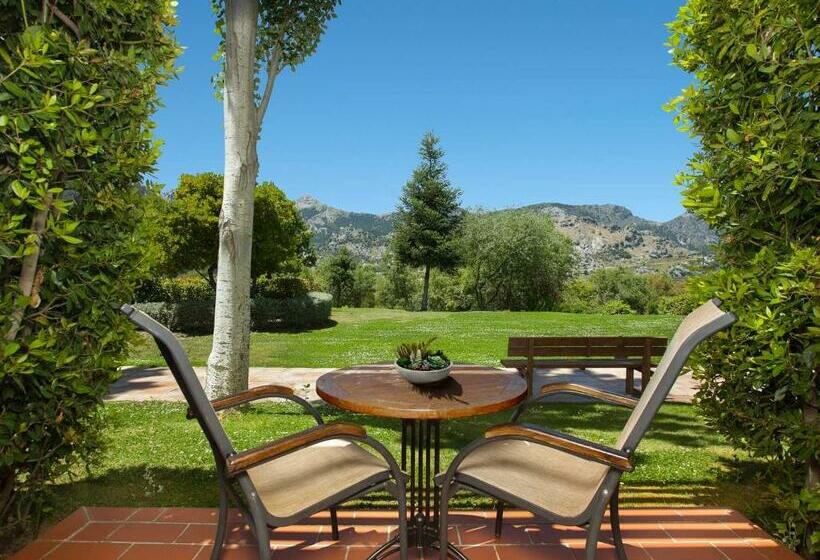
<point x="19" y="190"/>
<point x="733" y="136"/>
<point x="10" y="348"/>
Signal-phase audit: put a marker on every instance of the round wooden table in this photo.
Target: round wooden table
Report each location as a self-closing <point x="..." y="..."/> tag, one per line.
<point x="379" y="391"/>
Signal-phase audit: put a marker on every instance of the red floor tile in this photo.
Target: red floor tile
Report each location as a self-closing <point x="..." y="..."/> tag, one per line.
<point x="188" y="515"/>
<point x="95" y="531"/>
<point x="683" y="551"/>
<point x="66" y="527"/>
<point x="534" y="552"/>
<point x="485" y="534"/>
<point x="164" y="551"/>
<point x="188" y="533"/>
<point x="110" y="513"/>
<point x="146" y="514"/>
<point x="87" y="551"/>
<point x="147" y="532"/>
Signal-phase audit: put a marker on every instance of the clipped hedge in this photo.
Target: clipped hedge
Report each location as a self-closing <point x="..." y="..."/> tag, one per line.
<point x="267" y="314"/>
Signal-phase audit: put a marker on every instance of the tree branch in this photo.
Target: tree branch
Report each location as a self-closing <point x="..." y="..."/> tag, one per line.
<point x="273" y="71"/>
<point x="67" y="21"/>
<point x="28" y="272"/>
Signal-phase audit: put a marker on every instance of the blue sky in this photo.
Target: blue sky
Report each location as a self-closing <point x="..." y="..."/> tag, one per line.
<point x="534" y="100"/>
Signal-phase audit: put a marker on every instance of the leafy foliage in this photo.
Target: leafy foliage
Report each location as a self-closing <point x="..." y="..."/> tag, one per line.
<point x="429" y="216"/>
<point x="189" y="229"/>
<point x="514" y="260"/>
<point x="77" y="90"/>
<point x="754" y="108"/>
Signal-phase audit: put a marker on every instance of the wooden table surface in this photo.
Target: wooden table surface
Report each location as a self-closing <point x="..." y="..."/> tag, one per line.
<point x="380" y="391"/>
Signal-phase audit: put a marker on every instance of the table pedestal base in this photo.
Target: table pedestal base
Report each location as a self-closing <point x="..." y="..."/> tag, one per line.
<point x="420" y="458"/>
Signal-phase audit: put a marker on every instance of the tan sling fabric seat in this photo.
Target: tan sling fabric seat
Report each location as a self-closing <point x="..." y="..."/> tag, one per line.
<point x="546" y="477"/>
<point x="298" y="480"/>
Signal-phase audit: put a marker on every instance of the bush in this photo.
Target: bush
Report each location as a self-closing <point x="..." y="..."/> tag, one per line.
<point x="615" y="307"/>
<point x="753" y="107"/>
<point x="681" y="304"/>
<point x="185" y="288"/>
<point x="311" y="310"/>
<point x="75" y="142"/>
<point x="197" y="316"/>
<point x="280" y="286"/>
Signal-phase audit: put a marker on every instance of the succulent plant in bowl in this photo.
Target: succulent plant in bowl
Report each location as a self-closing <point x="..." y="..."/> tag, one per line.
<point x="418" y="364"/>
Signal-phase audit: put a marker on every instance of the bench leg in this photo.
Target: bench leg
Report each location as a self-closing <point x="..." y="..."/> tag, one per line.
<point x="630" y="381"/>
<point x="646" y="373"/>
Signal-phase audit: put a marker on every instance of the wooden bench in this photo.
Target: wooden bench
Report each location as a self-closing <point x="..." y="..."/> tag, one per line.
<point x="630" y="352"/>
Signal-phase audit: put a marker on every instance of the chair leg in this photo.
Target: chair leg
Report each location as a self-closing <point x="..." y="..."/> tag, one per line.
<point x="334" y="524"/>
<point x="221" y="523"/>
<point x="499" y="518"/>
<point x="442" y="520"/>
<point x="402" y="499"/>
<point x="262" y="533"/>
<point x="630" y="381"/>
<point x="592" y="536"/>
<point x="615" y="523"/>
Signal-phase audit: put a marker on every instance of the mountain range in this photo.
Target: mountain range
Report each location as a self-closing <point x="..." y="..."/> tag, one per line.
<point x="603" y="235"/>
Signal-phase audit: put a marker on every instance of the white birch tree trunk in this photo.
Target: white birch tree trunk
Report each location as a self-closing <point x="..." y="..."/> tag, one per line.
<point x="228" y="361"/>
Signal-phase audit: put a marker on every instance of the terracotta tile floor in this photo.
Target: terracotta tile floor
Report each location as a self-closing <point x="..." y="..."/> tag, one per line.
<point x="186" y="534"/>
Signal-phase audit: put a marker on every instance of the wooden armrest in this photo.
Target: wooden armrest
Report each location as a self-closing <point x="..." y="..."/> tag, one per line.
<point x="606" y="396"/>
<point x="252" y="457"/>
<point x="575" y="446"/>
<point x="261" y="392"/>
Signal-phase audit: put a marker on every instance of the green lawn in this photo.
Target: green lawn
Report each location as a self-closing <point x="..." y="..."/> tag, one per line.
<point x="155" y="457"/>
<point x="369" y="335"/>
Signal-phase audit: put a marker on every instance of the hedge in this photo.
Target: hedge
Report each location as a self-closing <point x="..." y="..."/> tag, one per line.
<point x="267" y="314"/>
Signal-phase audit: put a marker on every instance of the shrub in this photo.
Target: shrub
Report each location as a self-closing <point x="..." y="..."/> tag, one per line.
<point x="754" y="180"/>
<point x="680" y="304"/>
<point x="623" y="285"/>
<point x="280" y="286"/>
<point x="615" y="307"/>
<point x="75" y="140"/>
<point x="197" y="316"/>
<point x="311" y="310"/>
<point x="185" y="288"/>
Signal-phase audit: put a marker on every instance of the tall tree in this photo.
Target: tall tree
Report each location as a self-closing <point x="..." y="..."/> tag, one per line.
<point x="515" y="260"/>
<point x="273" y="34"/>
<point x="429" y="216"/>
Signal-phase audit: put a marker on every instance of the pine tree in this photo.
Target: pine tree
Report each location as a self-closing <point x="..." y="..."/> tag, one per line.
<point x="429" y="216"/>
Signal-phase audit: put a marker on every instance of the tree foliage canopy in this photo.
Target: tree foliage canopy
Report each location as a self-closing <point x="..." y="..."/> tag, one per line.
<point x="189" y="229"/>
<point x="755" y="180"/>
<point x="514" y="260"/>
<point x="429" y="215"/>
<point x="78" y="86"/>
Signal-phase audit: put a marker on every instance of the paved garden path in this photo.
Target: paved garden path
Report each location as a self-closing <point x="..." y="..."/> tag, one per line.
<point x="187" y="534"/>
<point x="142" y="384"/>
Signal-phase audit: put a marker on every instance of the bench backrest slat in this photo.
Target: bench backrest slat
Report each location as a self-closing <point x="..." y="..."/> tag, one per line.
<point x="618" y="347"/>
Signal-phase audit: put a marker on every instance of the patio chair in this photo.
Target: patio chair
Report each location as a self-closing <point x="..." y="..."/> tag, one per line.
<point x="287" y="480"/>
<point x="566" y="479"/>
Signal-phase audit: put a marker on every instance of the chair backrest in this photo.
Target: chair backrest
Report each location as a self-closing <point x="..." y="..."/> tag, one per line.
<point x="186" y="378"/>
<point x="699" y="325"/>
<point x="587" y="346"/>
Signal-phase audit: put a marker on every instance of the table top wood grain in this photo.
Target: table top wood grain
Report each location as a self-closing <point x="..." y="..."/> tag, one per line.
<point x="378" y="390"/>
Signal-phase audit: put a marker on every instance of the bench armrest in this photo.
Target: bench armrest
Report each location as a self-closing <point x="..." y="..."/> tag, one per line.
<point x="575" y="388"/>
<point x="261" y="392"/>
<point x="250" y="458"/>
<point x="575" y="446"/>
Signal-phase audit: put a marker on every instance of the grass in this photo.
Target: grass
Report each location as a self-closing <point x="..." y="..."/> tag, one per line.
<point x="155" y="457"/>
<point x="359" y="336"/>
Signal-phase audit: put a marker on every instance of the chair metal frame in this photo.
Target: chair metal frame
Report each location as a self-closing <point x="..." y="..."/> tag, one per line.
<point x="619" y="460"/>
<point x="232" y="466"/>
